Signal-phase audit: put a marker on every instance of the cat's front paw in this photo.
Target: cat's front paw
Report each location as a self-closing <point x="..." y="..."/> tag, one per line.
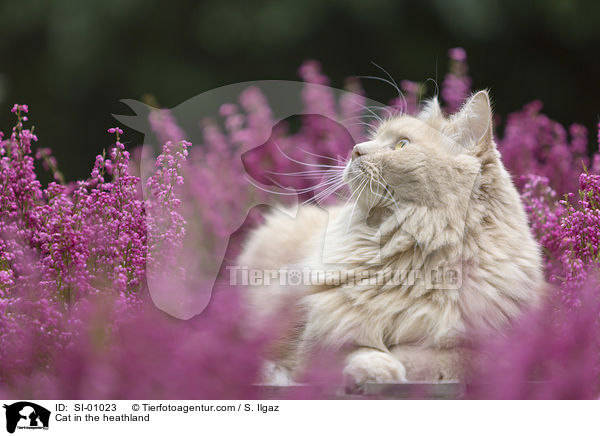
<point x="364" y="366"/>
<point x="275" y="374"/>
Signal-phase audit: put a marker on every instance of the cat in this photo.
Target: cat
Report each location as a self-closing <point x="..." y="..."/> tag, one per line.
<point x="437" y="228"/>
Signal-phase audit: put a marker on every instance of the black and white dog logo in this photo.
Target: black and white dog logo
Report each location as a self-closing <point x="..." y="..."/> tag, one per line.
<point x="26" y="415"/>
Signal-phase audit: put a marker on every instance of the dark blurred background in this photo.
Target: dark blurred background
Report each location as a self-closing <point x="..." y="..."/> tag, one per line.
<point x="73" y="60"/>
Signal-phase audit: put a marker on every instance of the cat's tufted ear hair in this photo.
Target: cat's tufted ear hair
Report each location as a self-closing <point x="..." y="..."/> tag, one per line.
<point x="431" y="110"/>
<point x="473" y="123"/>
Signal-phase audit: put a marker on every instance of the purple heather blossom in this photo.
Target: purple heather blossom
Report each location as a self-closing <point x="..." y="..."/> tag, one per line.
<point x="76" y="320"/>
<point x="118" y="350"/>
<point x="549" y="353"/>
<point x="409" y="101"/>
<point x="457" y="83"/>
<point x="163" y="124"/>
<point x="17" y="108"/>
<point x="535" y="144"/>
<point x="457" y="54"/>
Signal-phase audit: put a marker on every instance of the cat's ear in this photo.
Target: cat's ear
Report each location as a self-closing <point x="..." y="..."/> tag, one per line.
<point x="431" y="110"/>
<point x="473" y="123"/>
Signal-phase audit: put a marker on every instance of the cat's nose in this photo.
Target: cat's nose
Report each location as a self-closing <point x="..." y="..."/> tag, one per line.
<point x="363" y="148"/>
<point x="356" y="153"/>
<point x="359" y="150"/>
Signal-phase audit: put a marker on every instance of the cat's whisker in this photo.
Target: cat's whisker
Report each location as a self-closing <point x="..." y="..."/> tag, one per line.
<point x="318" y="186"/>
<point x="296" y="191"/>
<point x="390" y="82"/>
<point x="371" y="113"/>
<point x="389" y="75"/>
<point x="249" y="180"/>
<point x="302" y="190"/>
<point x="370" y="126"/>
<point x="395" y="84"/>
<point x="309" y="173"/>
<point x="379" y="199"/>
<point x="343" y="195"/>
<point x="352" y="194"/>
<point x="381" y="79"/>
<point x="375" y="196"/>
<point x="276" y="183"/>
<point x="340" y="195"/>
<point x="335" y="159"/>
<point x="437" y="88"/>
<point x="306" y="163"/>
<point x="374" y="114"/>
<point x="344" y="184"/>
<point x="387" y="109"/>
<point x="352" y="191"/>
<point x="332" y="183"/>
<point x="391" y="196"/>
<point x="404" y="105"/>
<point x="355" y="203"/>
<point x="360" y="117"/>
<point x="318" y="199"/>
<point x="327" y="192"/>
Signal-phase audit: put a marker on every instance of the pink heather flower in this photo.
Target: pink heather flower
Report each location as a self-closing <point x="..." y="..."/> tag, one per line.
<point x="317" y="97"/>
<point x="457" y="83"/>
<point x="596" y="159"/>
<point x="569" y="232"/>
<point x="115" y="130"/>
<point x="165" y="223"/>
<point x="6" y="279"/>
<point x="351" y="107"/>
<point x="75" y="318"/>
<point x="457" y="54"/>
<point x="50" y="163"/>
<point x="535" y="144"/>
<point x="20" y="108"/>
<point x="409" y="102"/>
<point x="164" y="125"/>
<point x="227" y="110"/>
<point x="550" y="353"/>
<point x="310" y="72"/>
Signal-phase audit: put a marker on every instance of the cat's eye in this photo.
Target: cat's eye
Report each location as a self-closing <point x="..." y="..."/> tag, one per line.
<point x="402" y="143"/>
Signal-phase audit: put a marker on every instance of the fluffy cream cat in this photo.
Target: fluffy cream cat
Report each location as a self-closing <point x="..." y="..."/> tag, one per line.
<point x="434" y="241"/>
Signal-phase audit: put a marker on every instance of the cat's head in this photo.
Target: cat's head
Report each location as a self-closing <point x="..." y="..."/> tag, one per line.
<point x="429" y="160"/>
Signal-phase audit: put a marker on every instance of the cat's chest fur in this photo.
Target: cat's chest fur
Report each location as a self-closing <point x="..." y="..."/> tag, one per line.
<point x="388" y="291"/>
<point x="403" y="282"/>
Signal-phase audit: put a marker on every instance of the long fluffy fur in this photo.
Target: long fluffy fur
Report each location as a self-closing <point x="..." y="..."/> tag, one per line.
<point x="442" y="203"/>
